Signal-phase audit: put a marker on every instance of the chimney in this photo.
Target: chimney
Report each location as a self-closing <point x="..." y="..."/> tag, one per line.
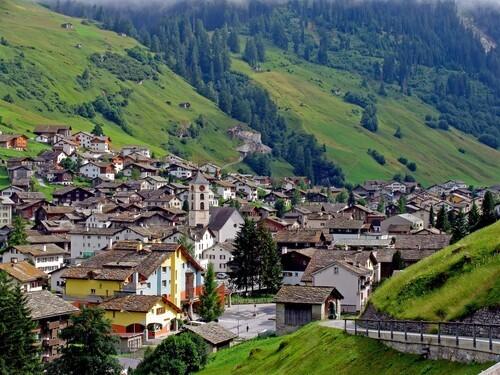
<point x="284" y="250"/>
<point x="44" y="249"/>
<point x="13" y="261"/>
<point x="110" y="243"/>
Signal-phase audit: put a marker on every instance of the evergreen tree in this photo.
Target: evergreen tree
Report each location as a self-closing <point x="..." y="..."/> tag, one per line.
<point x="17" y="340"/>
<point x="97" y="130"/>
<point x="18" y="235"/>
<point x="402" y="204"/>
<point x="233" y="42"/>
<point x="398" y="133"/>
<point x="323" y="51"/>
<point x="245" y="261"/>
<point x="442" y="222"/>
<point x="351" y="201"/>
<point x="474" y="217"/>
<point x="341" y="197"/>
<point x="90" y="348"/>
<point x="261" y="49"/>
<point x="270" y="269"/>
<point x="186" y="242"/>
<point x="460" y="227"/>
<point x="185" y="206"/>
<point x="296" y="198"/>
<point x="280" y="207"/>
<point x="210" y="307"/>
<point x="381" y="205"/>
<point x="369" y="118"/>
<point x="487" y="210"/>
<point x="431" y="217"/>
<point x="397" y="261"/>
<point x="250" y="54"/>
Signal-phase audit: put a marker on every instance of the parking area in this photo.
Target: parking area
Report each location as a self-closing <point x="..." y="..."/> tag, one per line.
<point x="247" y="321"/>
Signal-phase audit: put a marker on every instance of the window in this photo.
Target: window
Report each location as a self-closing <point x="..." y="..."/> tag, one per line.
<point x="164" y="269"/>
<point x="222" y="257"/>
<point x="149" y="285"/>
<point x="335" y="270"/>
<point x="164" y="283"/>
<point x="92" y="291"/>
<point x="202" y="205"/>
<point x="160" y="310"/>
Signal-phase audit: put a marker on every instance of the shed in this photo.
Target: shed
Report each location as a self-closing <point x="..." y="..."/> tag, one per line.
<point x="298" y="305"/>
<point x="216" y="336"/>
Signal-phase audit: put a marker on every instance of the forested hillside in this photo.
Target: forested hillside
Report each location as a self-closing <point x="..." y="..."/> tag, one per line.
<point x="83" y="76"/>
<point x="388" y="81"/>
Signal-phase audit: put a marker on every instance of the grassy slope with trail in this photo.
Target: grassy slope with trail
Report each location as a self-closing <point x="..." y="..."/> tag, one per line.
<point x="451" y="283"/>
<point x="319" y="350"/>
<point x="303" y="92"/>
<point x="36" y="33"/>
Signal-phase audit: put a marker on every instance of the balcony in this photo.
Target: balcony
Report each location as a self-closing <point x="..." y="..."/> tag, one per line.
<point x="51" y="342"/>
<point x="54" y="325"/>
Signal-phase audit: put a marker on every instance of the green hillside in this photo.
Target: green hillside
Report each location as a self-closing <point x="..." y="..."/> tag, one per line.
<point x="452" y="283"/>
<point x="39" y="66"/>
<point x="311" y="96"/>
<point x="318" y="350"/>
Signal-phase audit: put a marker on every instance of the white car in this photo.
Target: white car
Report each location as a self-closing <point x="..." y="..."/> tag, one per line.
<point x="222" y="275"/>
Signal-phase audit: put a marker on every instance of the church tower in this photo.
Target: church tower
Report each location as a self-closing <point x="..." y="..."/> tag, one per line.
<point x="199" y="201"/>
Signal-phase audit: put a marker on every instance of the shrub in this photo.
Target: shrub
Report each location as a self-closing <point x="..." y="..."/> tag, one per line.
<point x="379" y="158"/>
<point x="403" y="160"/>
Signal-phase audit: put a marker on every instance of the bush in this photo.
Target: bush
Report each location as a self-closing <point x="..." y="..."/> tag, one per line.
<point x="8" y="98"/>
<point x="379" y="158"/>
<point x="358" y="99"/>
<point x="412" y="166"/>
<point x="403" y="160"/>
<point x="179" y="354"/>
<point x="488" y="140"/>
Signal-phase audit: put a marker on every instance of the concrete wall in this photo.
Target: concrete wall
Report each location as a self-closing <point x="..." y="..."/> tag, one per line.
<point x="345" y="282"/>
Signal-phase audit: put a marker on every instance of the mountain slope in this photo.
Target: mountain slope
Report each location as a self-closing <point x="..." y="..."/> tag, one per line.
<point x="319" y="350"/>
<point x="455" y="281"/>
<point x="39" y="68"/>
<point x="305" y="94"/>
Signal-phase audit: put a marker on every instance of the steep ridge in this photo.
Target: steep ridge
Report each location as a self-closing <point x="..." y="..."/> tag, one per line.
<point x="40" y="62"/>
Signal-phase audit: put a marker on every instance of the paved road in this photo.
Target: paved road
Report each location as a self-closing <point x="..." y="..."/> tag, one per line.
<point x="238" y="317"/>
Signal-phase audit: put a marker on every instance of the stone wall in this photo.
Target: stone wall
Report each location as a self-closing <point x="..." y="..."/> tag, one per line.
<point x="482" y="316"/>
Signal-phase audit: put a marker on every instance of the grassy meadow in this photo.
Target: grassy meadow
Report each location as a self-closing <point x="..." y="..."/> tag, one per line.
<point x="320" y="350"/>
<point x="451" y="283"/>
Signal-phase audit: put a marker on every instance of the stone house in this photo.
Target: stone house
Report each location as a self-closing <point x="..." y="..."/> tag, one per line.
<point x="215" y="336"/>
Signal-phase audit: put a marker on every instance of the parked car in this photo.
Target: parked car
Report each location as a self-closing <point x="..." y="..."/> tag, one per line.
<point x="222" y="276"/>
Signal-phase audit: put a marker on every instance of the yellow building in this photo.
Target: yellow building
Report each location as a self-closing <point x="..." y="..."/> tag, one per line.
<point x="135" y="313"/>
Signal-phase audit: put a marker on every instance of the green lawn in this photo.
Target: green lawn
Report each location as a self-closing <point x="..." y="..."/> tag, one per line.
<point x="453" y="282"/>
<point x="36" y="38"/>
<point x="304" y="94"/>
<point x="319" y="350"/>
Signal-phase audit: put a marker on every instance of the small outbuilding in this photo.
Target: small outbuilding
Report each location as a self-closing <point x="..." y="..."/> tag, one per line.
<point x="298" y="305"/>
<point x="216" y="336"/>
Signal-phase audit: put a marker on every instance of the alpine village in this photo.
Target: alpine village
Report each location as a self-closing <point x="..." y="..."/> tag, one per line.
<point x="293" y="187"/>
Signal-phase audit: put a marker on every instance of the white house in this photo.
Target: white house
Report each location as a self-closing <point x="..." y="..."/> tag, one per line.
<point x="84" y="139"/>
<point x="180" y="170"/>
<point x="225" y="189"/>
<point x="45" y="257"/>
<point x="94" y="169"/>
<point x="249" y="189"/>
<point x="66" y="145"/>
<point x="219" y="255"/>
<point x="210" y="169"/>
<point x="413" y="222"/>
<point x="144" y="151"/>
<point x="202" y="238"/>
<point x="28" y="277"/>
<point x="225" y="223"/>
<point x="100" y="144"/>
<point x="6" y="205"/>
<point x="86" y="242"/>
<point x="352" y="281"/>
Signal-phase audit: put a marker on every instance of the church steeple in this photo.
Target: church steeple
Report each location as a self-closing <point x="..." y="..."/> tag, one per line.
<point x="199" y="201"/>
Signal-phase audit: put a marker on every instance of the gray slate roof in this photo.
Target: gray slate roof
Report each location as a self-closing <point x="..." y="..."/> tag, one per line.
<point x="314" y="295"/>
<point x="44" y="304"/>
<point x="212" y="332"/>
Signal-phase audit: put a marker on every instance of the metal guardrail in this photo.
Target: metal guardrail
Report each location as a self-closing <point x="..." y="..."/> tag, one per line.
<point x="421" y="327"/>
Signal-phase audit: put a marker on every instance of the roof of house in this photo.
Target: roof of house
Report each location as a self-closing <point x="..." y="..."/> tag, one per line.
<point x="310" y="236"/>
<point x="324" y="258"/>
<point x="427" y="242"/>
<point x="344" y="223"/>
<point x="44" y="304"/>
<point x="212" y="332"/>
<point x="23" y="271"/>
<point x="314" y="295"/>
<point x="134" y="302"/>
<point x="50" y="128"/>
<point x="219" y="216"/>
<point x="40" y="250"/>
<point x="199" y="179"/>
